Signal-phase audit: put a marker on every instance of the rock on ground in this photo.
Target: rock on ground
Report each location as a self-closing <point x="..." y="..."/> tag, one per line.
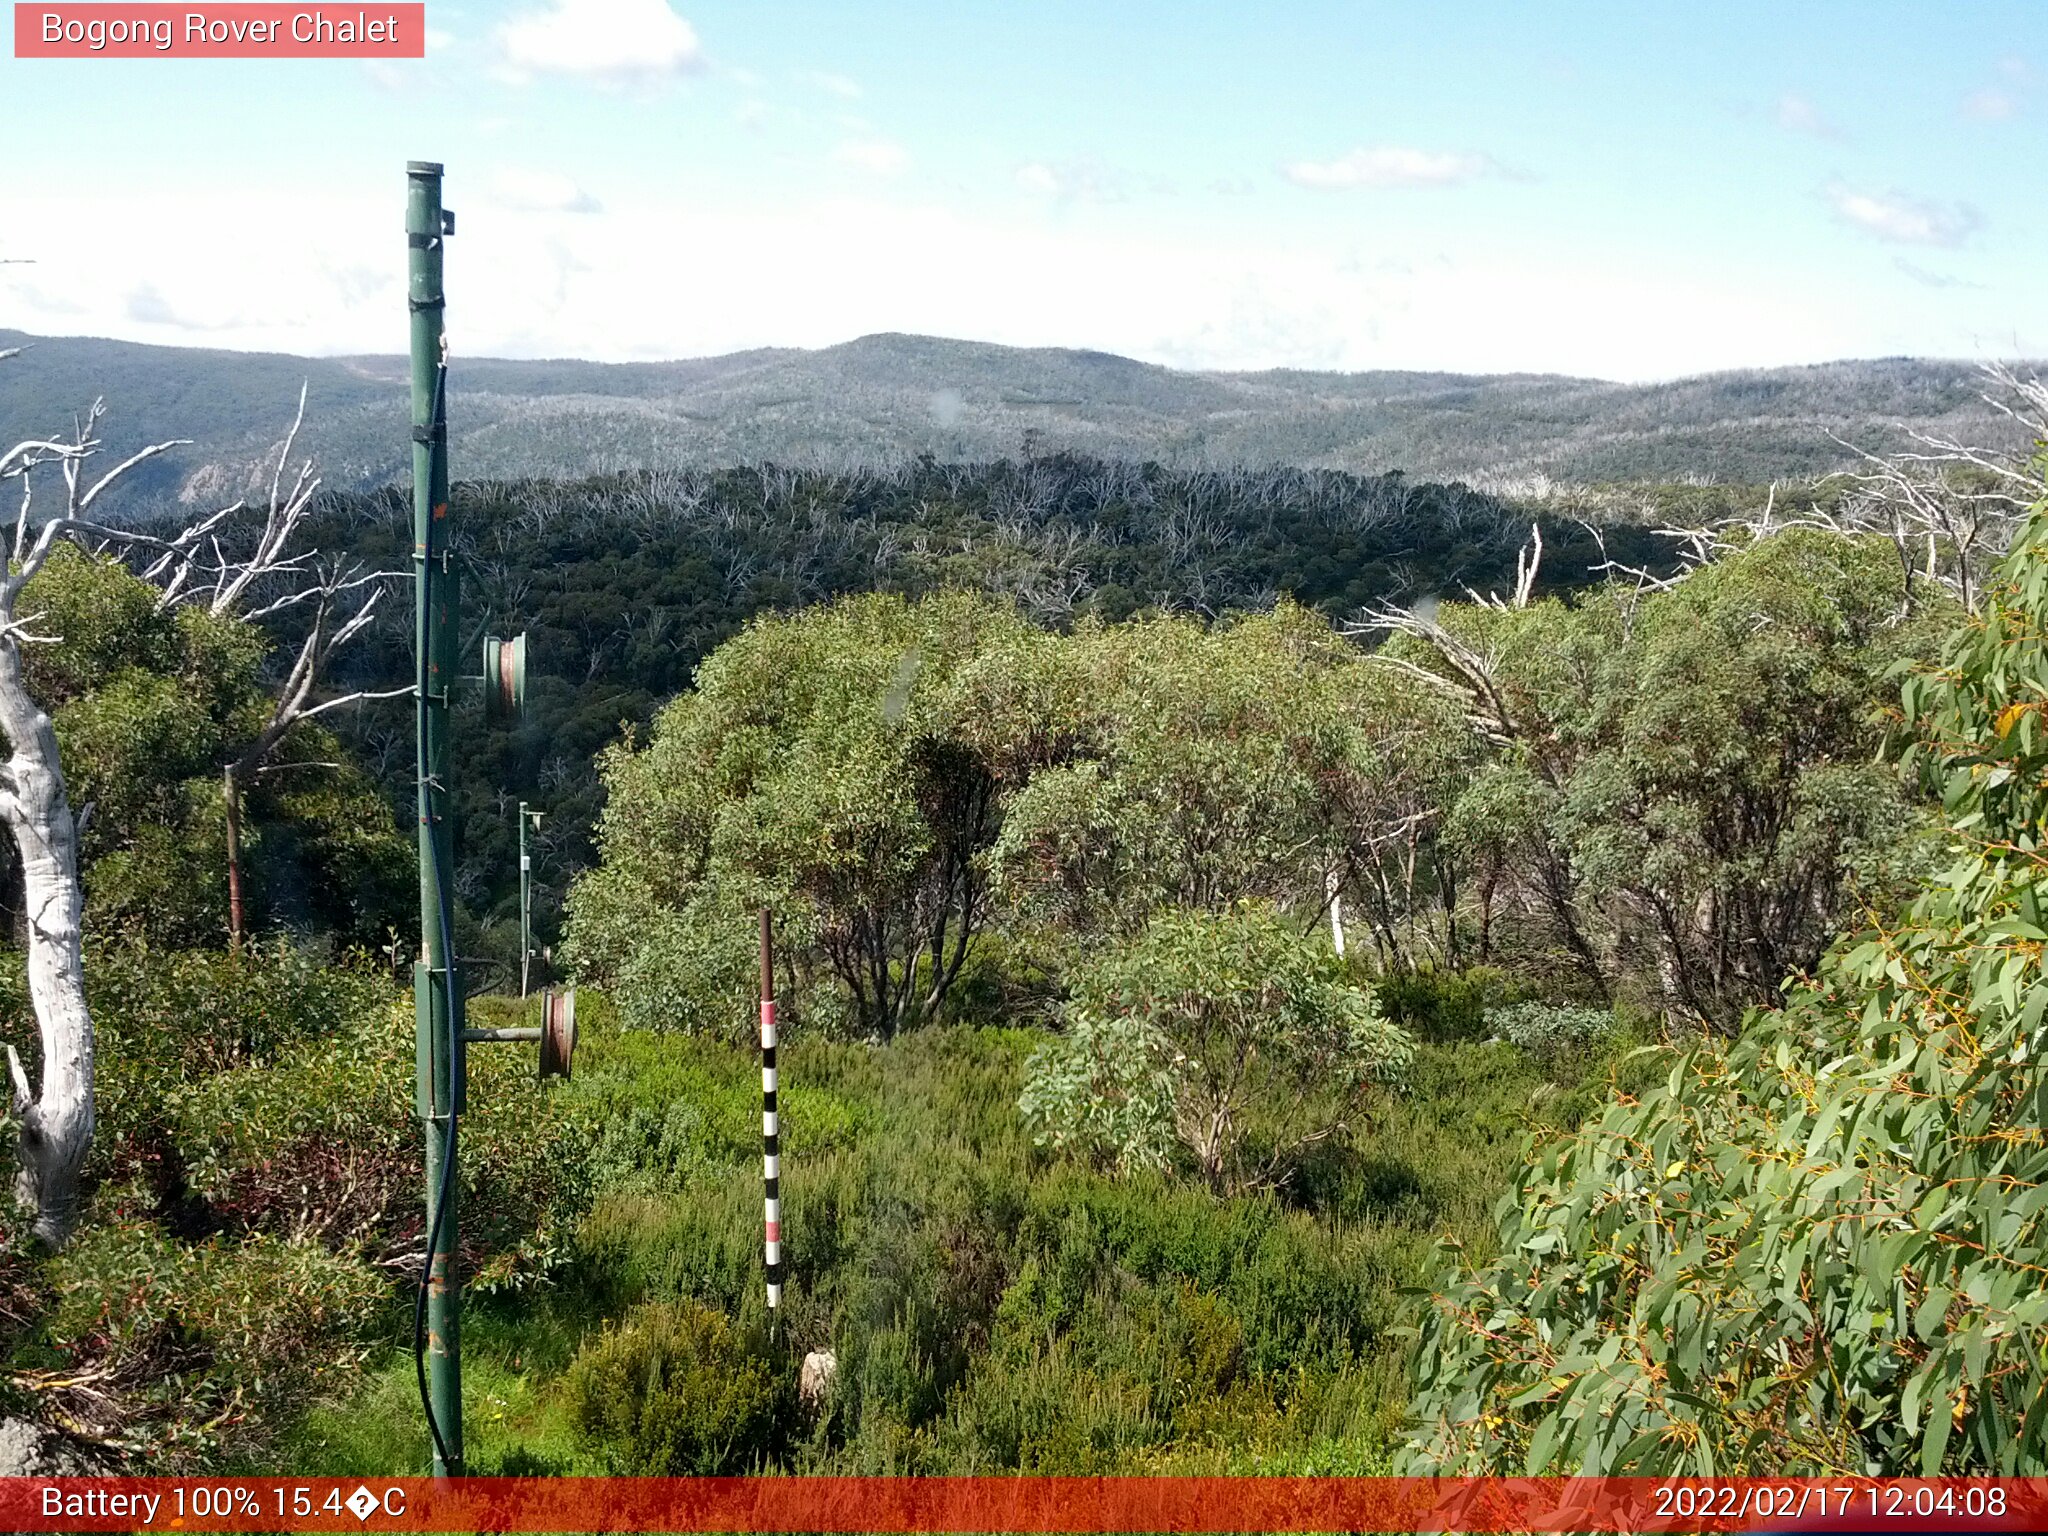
<point x="29" y="1450"/>
<point x="820" y="1366"/>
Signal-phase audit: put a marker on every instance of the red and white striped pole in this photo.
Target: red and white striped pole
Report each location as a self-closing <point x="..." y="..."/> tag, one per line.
<point x="771" y="1141"/>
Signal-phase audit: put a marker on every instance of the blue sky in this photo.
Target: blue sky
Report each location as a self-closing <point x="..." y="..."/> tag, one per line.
<point x="1628" y="191"/>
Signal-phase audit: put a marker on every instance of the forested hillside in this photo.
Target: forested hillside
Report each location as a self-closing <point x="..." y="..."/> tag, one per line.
<point x="879" y="400"/>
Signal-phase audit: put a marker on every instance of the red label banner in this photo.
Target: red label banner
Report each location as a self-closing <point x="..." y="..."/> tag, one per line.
<point x="1034" y="1504"/>
<point x="263" y="31"/>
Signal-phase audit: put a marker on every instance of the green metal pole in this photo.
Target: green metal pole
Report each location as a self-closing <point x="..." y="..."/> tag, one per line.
<point x="525" y="906"/>
<point x="437" y="991"/>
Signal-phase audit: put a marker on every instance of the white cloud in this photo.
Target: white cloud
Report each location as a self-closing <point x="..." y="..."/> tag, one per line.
<point x="1990" y="105"/>
<point x="1927" y="279"/>
<point x="834" y="85"/>
<point x="1238" y="295"/>
<point x="146" y="303"/>
<point x="1999" y="103"/>
<point x="37" y="301"/>
<point x="875" y="156"/>
<point x="541" y="192"/>
<point x="1796" y="114"/>
<point x="1037" y="176"/>
<point x="1389" y="166"/>
<point x="1904" y="220"/>
<point x="609" y="42"/>
<point x="1075" y="181"/>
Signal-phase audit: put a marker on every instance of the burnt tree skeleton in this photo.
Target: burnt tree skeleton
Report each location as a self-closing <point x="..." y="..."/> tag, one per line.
<point x="330" y="589"/>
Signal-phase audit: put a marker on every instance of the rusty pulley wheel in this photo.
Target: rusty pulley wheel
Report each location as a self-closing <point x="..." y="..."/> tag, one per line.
<point x="505" y="678"/>
<point x="557" y="1031"/>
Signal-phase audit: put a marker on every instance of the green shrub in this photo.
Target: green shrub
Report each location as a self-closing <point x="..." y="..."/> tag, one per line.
<point x="1444" y="1007"/>
<point x="179" y="1336"/>
<point x="168" y="1019"/>
<point x="990" y="1306"/>
<point x="673" y="1391"/>
<point x="1225" y="1037"/>
<point x="1817" y="1250"/>
<point x="1550" y="1029"/>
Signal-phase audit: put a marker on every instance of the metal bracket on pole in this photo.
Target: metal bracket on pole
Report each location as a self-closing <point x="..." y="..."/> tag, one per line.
<point x="555" y="1034"/>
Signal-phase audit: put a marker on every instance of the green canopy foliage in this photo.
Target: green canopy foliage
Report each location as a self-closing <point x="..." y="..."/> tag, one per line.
<point x="813" y="771"/>
<point x="1165" y="763"/>
<point x="625" y="583"/>
<point x="149" y="704"/>
<point x="1690" y="776"/>
<point x="892" y="777"/>
<point x="1816" y="1250"/>
<point x="1225" y="1036"/>
<point x="1670" y="794"/>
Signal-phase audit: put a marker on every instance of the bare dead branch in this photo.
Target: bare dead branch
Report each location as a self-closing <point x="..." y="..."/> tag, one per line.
<point x="362" y="696"/>
<point x="125" y="465"/>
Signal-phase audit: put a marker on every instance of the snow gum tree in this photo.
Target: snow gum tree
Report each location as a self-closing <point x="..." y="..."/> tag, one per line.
<point x="54" y="1113"/>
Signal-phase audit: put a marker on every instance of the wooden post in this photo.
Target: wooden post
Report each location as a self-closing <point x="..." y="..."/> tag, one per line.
<point x="233" y="798"/>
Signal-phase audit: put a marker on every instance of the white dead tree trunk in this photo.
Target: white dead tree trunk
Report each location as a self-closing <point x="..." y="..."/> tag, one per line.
<point x="56" y="1118"/>
<point x="56" y="1124"/>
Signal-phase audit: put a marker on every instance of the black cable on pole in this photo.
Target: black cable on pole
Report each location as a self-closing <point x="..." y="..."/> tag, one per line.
<point x="419" y="1310"/>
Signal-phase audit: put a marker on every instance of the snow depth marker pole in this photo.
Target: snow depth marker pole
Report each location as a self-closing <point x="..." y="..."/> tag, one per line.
<point x="771" y="1139"/>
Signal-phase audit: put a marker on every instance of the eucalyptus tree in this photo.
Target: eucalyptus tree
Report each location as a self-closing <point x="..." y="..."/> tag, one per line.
<point x="56" y="1117"/>
<point x="815" y="769"/>
<point x="1226" y="1038"/>
<point x="1685" y="790"/>
<point x="1168" y="763"/>
<point x="203" y="565"/>
<point x="1816" y="1250"/>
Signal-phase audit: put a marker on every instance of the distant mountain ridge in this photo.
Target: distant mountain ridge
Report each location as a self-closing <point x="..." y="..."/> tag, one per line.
<point x="885" y="397"/>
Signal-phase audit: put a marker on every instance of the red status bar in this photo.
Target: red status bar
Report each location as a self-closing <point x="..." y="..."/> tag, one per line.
<point x="1025" y="1504"/>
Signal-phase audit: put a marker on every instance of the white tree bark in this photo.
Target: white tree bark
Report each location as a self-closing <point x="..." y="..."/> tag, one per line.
<point x="55" y="1118"/>
<point x="57" y="1122"/>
